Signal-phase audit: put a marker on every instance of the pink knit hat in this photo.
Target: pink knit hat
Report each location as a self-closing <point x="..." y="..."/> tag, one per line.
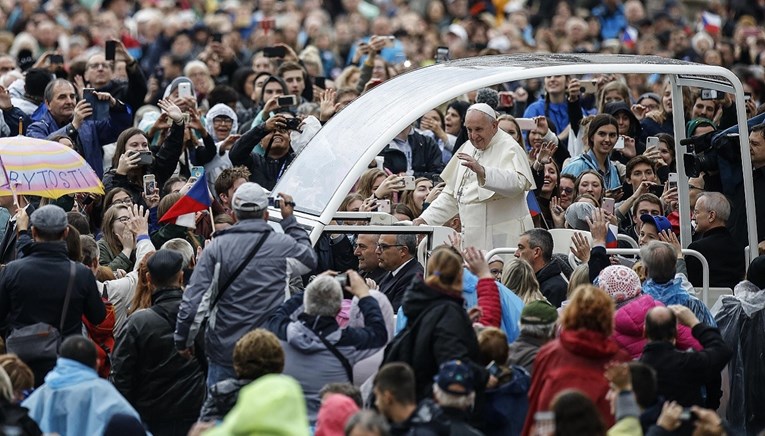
<point x="620" y="282"/>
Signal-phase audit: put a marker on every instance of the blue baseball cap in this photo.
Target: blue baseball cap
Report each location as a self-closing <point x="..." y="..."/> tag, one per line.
<point x="659" y="221"/>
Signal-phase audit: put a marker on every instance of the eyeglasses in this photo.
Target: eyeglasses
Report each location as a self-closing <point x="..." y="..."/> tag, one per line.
<point x="383" y="247"/>
<point x="567" y="190"/>
<point x="97" y="65"/>
<point x="223" y="120"/>
<point x="122" y="219"/>
<point x="495" y="272"/>
<point x="127" y="200"/>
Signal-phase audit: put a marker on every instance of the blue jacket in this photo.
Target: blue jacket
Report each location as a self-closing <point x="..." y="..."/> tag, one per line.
<point x="507" y="404"/>
<point x="557" y="112"/>
<point x="672" y="292"/>
<point x="511" y="306"/>
<point x="612" y="22"/>
<point x="92" y="135"/>
<point x="587" y="161"/>
<point x="75" y="401"/>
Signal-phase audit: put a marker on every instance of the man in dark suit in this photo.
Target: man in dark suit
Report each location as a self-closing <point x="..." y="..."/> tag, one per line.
<point x="8" y="245"/>
<point x="724" y="254"/>
<point x="365" y="250"/>
<point x="396" y="254"/>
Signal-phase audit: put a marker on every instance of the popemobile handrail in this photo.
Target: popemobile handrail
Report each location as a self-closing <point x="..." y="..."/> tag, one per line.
<point x="636" y="251"/>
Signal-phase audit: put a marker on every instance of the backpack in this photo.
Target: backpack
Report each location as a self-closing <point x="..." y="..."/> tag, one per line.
<point x="103" y="336"/>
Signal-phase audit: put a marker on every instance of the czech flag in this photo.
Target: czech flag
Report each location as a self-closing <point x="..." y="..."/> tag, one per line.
<point x="183" y="211"/>
<point x="629" y="37"/>
<point x="712" y="23"/>
<point x="531" y="201"/>
<point x="611" y="241"/>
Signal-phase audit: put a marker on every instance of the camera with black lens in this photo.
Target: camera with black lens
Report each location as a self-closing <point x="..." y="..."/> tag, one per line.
<point x="706" y="150"/>
<point x="293" y="123"/>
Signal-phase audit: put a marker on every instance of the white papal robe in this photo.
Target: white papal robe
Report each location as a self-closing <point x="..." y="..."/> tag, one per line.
<point x="493" y="211"/>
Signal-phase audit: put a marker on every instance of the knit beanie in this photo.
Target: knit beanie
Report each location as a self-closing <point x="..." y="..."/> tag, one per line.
<point x="620" y="283"/>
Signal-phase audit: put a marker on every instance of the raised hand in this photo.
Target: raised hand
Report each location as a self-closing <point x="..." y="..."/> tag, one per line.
<point x="171" y="109"/>
<point x="327" y="107"/>
<point x="476" y="263"/>
<point x="598" y="227"/>
<point x="581" y="247"/>
<point x="139" y="220"/>
<point x="557" y="212"/>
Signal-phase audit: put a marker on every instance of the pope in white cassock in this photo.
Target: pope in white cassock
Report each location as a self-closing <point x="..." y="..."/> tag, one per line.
<point x="487" y="185"/>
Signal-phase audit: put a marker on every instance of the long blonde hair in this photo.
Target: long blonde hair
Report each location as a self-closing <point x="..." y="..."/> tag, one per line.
<point x="519" y="277"/>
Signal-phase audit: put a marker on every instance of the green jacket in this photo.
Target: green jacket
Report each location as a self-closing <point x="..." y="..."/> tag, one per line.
<point x="272" y="405"/>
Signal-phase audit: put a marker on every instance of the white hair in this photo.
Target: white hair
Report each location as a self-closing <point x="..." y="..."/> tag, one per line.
<point x="323" y="297"/>
<point x="445" y="399"/>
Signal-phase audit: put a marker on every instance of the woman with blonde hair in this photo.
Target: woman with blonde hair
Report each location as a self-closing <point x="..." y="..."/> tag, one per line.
<point x="519" y="277"/>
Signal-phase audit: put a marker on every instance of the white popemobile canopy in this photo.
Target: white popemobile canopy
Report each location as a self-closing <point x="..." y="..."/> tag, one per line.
<point x="327" y="168"/>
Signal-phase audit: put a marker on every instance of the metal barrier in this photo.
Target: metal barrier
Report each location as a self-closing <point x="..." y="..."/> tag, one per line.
<point x="628" y="239"/>
<point x="636" y="252"/>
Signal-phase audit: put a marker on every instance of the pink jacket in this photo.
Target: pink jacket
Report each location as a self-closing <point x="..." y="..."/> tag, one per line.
<point x="628" y="327"/>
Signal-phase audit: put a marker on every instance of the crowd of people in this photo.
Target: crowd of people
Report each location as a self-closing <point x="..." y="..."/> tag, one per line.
<point x="118" y="319"/>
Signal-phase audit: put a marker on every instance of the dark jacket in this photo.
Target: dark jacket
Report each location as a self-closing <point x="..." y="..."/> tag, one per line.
<point x="506" y="405"/>
<point x="681" y="375"/>
<point x="727" y="266"/>
<point x="427" y="420"/>
<point x="264" y="171"/>
<point x="148" y="371"/>
<point x="427" y="160"/>
<point x="552" y="283"/>
<point x="92" y="135"/>
<point x="131" y="92"/>
<point x="13" y="416"/>
<point x="165" y="161"/>
<point x="8" y="249"/>
<point x="523" y="351"/>
<point x="221" y="398"/>
<point x="33" y="289"/>
<point x="438" y="330"/>
<point x="394" y="286"/>
<point x="458" y="422"/>
<point x="737" y="221"/>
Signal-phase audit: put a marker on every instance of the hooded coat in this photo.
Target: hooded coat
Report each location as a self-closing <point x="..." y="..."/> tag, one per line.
<point x="308" y="359"/>
<point x="629" y="321"/>
<point x="221" y="160"/>
<point x="438" y="330"/>
<point x="741" y="319"/>
<point x="576" y="360"/>
<point x="271" y="405"/>
<point x="75" y="401"/>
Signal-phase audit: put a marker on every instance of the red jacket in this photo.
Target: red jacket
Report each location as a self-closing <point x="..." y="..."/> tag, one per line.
<point x="576" y="360"/>
<point x="488" y="301"/>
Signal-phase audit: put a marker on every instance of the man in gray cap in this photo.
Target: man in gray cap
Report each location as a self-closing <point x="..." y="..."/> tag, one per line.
<point x="537" y="328"/>
<point x="33" y="289"/>
<point x="172" y="396"/>
<point x="241" y="278"/>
